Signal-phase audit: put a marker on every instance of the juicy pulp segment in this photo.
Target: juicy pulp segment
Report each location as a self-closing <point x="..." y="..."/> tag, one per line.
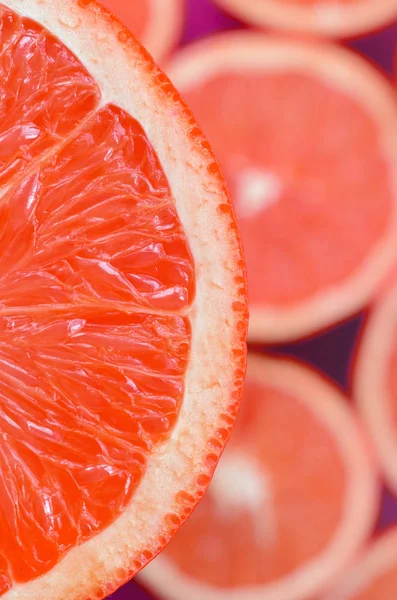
<point x="84" y="399"/>
<point x="96" y="222"/>
<point x="229" y="545"/>
<point x="95" y="279"/>
<point x="301" y="178"/>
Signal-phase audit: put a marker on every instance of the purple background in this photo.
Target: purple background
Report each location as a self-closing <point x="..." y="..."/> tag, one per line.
<point x="333" y="351"/>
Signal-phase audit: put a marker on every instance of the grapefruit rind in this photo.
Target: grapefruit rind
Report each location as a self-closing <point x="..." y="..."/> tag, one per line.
<point x="378" y="558"/>
<point x="370" y="381"/>
<point x="349" y="20"/>
<point x="362" y="496"/>
<point x="179" y="472"/>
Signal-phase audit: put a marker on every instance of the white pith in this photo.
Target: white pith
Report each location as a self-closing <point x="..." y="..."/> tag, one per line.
<point x="93" y="569"/>
<point x="249" y="52"/>
<point x="371" y="382"/>
<point x="330" y="407"/>
<point x="376" y="561"/>
<point x="332" y="19"/>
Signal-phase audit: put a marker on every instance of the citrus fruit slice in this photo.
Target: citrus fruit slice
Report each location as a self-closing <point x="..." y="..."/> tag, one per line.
<point x="334" y="18"/>
<point x="307" y="138"/>
<point x="113" y="407"/>
<point x="375" y="381"/>
<point x="293" y="498"/>
<point x="156" y="23"/>
<point x="374" y="575"/>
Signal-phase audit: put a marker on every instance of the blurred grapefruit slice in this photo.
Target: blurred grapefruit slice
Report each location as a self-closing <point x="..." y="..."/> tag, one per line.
<point x="375" y="381"/>
<point x="307" y="138"/>
<point x="156" y="23"/>
<point x="292" y="500"/>
<point x="334" y="18"/>
<point x="374" y="575"/>
<point x="113" y="407"/>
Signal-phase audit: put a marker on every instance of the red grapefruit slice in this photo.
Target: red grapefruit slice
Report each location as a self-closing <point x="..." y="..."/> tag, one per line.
<point x="293" y="498"/>
<point x="375" y="381"/>
<point x="374" y="575"/>
<point x="307" y="137"/>
<point x="156" y="23"/>
<point x="334" y="18"/>
<point x="113" y="407"/>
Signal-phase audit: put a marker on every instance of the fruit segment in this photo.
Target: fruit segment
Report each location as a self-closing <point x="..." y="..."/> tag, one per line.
<point x="84" y="398"/>
<point x="96" y="223"/>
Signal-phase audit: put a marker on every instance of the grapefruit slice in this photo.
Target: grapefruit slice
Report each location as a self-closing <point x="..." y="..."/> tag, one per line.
<point x="113" y="407"/>
<point x="156" y="23"/>
<point x="307" y="138"/>
<point x="374" y="575"/>
<point x="334" y="18"/>
<point x="293" y="498"/>
<point x="375" y="381"/>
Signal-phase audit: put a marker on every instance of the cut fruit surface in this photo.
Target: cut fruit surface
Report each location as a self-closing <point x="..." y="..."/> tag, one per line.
<point x="375" y="381"/>
<point x="334" y="18"/>
<point x="374" y="575"/>
<point x="293" y="498"/>
<point x="156" y="23"/>
<point x="306" y="136"/>
<point x="113" y="410"/>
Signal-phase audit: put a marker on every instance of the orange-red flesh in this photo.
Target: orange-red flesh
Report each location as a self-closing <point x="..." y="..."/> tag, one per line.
<point x="45" y="92"/>
<point x="318" y="155"/>
<point x="95" y="276"/>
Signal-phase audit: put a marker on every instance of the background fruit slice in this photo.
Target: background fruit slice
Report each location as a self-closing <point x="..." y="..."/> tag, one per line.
<point x="306" y="135"/>
<point x="156" y="23"/>
<point x="335" y="18"/>
<point x="293" y="498"/>
<point x="375" y="381"/>
<point x="374" y="575"/>
<point x="105" y="321"/>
